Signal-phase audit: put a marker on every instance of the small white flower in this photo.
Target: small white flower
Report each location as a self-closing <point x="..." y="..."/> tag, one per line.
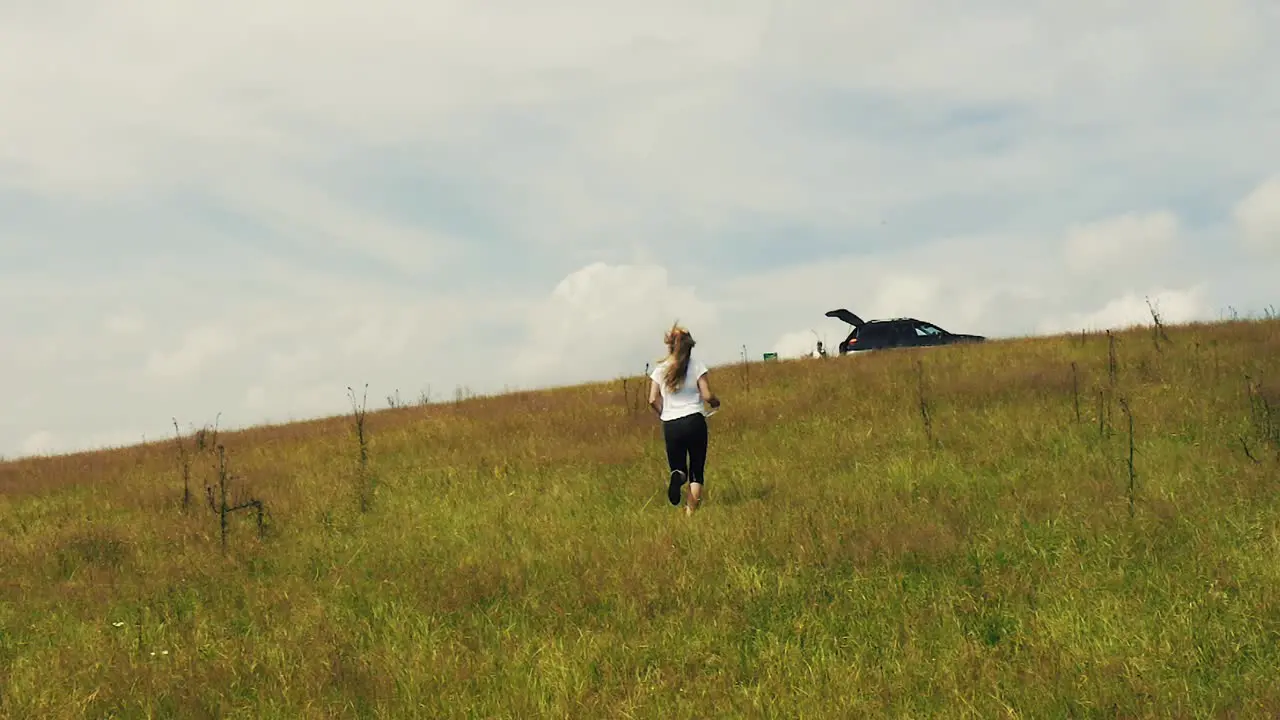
<point x="117" y="624"/>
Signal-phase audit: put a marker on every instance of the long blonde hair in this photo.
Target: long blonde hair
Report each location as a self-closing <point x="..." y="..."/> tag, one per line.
<point x="679" y="348"/>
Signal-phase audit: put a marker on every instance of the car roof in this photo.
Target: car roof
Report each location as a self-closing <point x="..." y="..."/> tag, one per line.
<point x="891" y="320"/>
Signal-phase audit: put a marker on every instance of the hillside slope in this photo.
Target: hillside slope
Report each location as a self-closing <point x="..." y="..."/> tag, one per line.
<point x="860" y="552"/>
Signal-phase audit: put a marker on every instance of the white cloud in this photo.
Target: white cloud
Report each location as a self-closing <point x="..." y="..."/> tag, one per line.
<point x="286" y="362"/>
<point x="907" y="294"/>
<point x="124" y="324"/>
<point x="382" y="331"/>
<point x="1257" y="216"/>
<point x="1132" y="309"/>
<point x="42" y="442"/>
<point x="604" y="320"/>
<point x="1120" y="241"/>
<point x="256" y="399"/>
<point x="796" y="345"/>
<point x="198" y="347"/>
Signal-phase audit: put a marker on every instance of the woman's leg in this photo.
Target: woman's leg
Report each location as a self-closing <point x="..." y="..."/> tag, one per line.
<point x="697" y="444"/>
<point x="677" y="459"/>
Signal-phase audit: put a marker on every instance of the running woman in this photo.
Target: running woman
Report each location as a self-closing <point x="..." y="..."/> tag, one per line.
<point x="679" y="394"/>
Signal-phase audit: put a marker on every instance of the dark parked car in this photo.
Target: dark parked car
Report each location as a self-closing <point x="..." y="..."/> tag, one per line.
<point x="895" y="333"/>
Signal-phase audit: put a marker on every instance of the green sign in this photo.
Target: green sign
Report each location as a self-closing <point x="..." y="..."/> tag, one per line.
<point x="771" y="356"/>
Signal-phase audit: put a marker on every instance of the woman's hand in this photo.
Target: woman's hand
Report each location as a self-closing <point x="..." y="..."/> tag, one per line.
<point x="655" y="398"/>
<point x="704" y="391"/>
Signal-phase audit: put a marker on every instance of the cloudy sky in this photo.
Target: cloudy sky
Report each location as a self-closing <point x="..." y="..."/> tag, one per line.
<point x="245" y="207"/>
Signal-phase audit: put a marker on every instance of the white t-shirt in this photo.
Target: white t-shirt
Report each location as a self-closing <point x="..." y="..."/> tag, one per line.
<point x="685" y="401"/>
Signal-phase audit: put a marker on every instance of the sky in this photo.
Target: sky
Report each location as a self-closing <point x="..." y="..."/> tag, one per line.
<point x="244" y="208"/>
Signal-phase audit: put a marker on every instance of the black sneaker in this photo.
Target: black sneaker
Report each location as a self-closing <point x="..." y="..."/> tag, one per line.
<point x="673" y="488"/>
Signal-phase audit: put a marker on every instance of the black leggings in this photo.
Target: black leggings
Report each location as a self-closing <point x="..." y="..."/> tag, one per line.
<point x="686" y="440"/>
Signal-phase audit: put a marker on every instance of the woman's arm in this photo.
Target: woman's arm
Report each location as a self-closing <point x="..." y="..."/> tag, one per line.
<point x="704" y="389"/>
<point x="655" y="397"/>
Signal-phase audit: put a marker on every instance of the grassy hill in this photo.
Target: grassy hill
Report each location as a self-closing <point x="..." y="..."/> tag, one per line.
<point x="946" y="533"/>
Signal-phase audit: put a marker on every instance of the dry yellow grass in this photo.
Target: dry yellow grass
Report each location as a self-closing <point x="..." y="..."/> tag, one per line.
<point x="520" y="559"/>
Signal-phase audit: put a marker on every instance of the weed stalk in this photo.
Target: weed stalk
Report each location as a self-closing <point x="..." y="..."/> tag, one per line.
<point x="1269" y="428"/>
<point x="393" y="400"/>
<point x="1260" y="414"/>
<point x="1124" y="404"/>
<point x="1113" y="366"/>
<point x="1102" y="413"/>
<point x="359" y="411"/>
<point x="1157" y="330"/>
<point x="1247" y="453"/>
<point x="924" y="401"/>
<point x="1113" y="376"/>
<point x="1075" y="389"/>
<point x="184" y="462"/>
<point x="1253" y="404"/>
<point x="225" y="509"/>
<point x="222" y="490"/>
<point x="1258" y="417"/>
<point x="207" y="437"/>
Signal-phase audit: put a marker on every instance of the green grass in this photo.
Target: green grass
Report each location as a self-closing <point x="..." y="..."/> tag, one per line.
<point x="520" y="558"/>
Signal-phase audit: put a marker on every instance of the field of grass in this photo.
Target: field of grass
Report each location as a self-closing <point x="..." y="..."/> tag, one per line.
<point x="937" y="533"/>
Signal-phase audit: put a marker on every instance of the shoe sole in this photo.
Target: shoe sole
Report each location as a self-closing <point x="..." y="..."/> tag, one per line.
<point x="673" y="487"/>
